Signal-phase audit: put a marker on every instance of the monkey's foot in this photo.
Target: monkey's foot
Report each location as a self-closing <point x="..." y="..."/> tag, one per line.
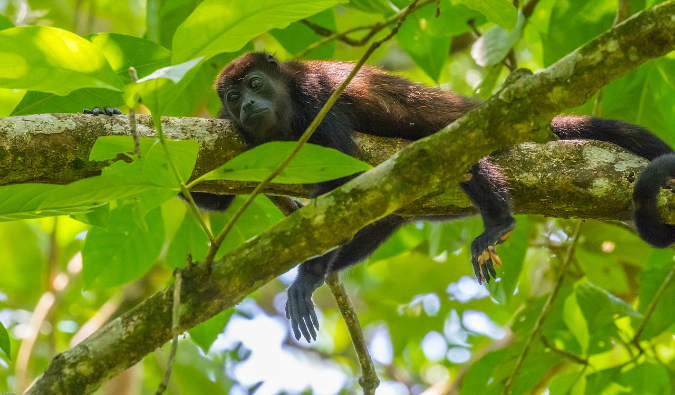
<point x="483" y="250"/>
<point x="106" y="110"/>
<point x="300" y="309"/>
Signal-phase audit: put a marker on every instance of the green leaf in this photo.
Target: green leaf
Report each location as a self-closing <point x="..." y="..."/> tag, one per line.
<point x="5" y="23"/>
<point x="206" y="333"/>
<point x="603" y="270"/>
<point x="494" y="45"/>
<point x="501" y="12"/>
<point x="123" y="180"/>
<point x="260" y="215"/>
<point x="122" y="52"/>
<point x="189" y="239"/>
<point x="47" y="59"/>
<point x="124" y="251"/>
<point x="574" y="22"/>
<point x="600" y="310"/>
<point x="97" y="217"/>
<point x="658" y="266"/>
<point x="427" y="50"/>
<point x="312" y="164"/>
<point x="24" y="201"/>
<point x="233" y="23"/>
<point x="164" y="17"/>
<point x="4" y="341"/>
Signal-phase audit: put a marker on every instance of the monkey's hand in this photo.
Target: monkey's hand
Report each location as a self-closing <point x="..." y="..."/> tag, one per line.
<point x="106" y="110"/>
<point x="300" y="308"/>
<point x="483" y="250"/>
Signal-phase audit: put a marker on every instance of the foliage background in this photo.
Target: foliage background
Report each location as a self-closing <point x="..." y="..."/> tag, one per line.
<point x="425" y="317"/>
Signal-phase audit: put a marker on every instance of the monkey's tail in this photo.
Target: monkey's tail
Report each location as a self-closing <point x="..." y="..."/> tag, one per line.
<point x="641" y="142"/>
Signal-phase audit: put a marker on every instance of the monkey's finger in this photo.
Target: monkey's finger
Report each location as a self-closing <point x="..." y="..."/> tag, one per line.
<point x="315" y="320"/>
<point x="492" y="270"/>
<point x="310" y="326"/>
<point x="299" y="318"/>
<point x="495" y="257"/>
<point x="307" y="309"/>
<point x="288" y="313"/>
<point x="295" y="320"/>
<point x="305" y="323"/>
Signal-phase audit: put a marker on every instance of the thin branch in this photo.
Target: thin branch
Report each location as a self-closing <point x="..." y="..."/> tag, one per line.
<point x="175" y="318"/>
<point x="215" y="245"/>
<point x="651" y="307"/>
<point x="564" y="353"/>
<point x="368" y="380"/>
<point x="373" y="30"/>
<point x="546" y="310"/>
<point x="133" y="76"/>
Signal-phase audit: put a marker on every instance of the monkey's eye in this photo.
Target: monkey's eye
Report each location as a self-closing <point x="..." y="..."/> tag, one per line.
<point x="255" y="83"/>
<point x="232" y="97"/>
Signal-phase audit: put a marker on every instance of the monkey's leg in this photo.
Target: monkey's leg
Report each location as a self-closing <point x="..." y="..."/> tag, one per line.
<point x="299" y="305"/>
<point x="311" y="274"/>
<point x="491" y="199"/>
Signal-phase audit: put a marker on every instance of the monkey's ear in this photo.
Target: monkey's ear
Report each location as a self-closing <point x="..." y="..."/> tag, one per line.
<point x="272" y="59"/>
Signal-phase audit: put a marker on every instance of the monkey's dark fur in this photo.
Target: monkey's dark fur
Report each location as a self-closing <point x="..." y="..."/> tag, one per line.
<point x="271" y="100"/>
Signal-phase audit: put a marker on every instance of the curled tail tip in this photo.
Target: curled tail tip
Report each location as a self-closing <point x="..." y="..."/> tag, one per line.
<point x="647" y="219"/>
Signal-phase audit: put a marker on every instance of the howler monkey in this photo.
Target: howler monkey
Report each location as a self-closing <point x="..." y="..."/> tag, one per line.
<point x="270" y="100"/>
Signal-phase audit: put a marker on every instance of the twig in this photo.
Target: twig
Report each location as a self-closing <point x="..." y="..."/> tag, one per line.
<point x="25" y="349"/>
<point x="564" y="353"/>
<point x="374" y="29"/>
<point x="546" y="309"/>
<point x="368" y="380"/>
<point x="215" y="244"/>
<point x="132" y="113"/>
<point x="651" y="307"/>
<point x="174" y="329"/>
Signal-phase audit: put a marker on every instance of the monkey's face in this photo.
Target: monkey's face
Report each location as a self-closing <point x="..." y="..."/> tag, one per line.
<point x="256" y="104"/>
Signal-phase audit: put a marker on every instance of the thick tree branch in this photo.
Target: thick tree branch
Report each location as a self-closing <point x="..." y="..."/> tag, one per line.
<point x="518" y="113"/>
<point x="586" y="179"/>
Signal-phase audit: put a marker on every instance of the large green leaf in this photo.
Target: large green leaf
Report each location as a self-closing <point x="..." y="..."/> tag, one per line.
<point x="123" y="180"/>
<point x="230" y="25"/>
<point x="312" y="164"/>
<point x="124" y="251"/>
<point x="501" y="12"/>
<point x="427" y="50"/>
<point x="122" y="52"/>
<point x="164" y="17"/>
<point x="24" y="201"/>
<point x="574" y="22"/>
<point x="4" y="340"/>
<point x="48" y="59"/>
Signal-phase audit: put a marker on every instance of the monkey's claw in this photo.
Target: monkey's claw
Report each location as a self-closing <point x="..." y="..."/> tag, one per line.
<point x="106" y="110"/>
<point x="483" y="251"/>
<point x="300" y="310"/>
